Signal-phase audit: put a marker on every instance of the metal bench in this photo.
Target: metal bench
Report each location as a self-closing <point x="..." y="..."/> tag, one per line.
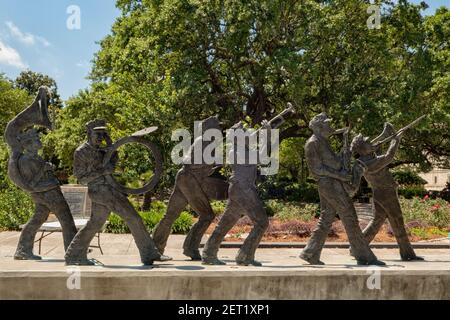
<point x="54" y="226"/>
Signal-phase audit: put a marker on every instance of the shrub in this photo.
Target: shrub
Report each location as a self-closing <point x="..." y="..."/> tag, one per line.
<point x="16" y="207"/>
<point x="427" y="233"/>
<point x="434" y="212"/>
<point x="288" y="190"/>
<point x="285" y="211"/>
<point x="411" y="191"/>
<point x="408" y="177"/>
<point x="218" y="206"/>
<point x="151" y="218"/>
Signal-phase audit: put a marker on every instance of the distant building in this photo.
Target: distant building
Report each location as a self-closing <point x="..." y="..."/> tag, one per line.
<point x="436" y="179"/>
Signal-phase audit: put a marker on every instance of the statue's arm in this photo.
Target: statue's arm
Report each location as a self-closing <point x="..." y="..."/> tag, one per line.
<point x="319" y="169"/>
<point x="32" y="172"/>
<point x="81" y="169"/>
<point x="384" y="160"/>
<point x="111" y="165"/>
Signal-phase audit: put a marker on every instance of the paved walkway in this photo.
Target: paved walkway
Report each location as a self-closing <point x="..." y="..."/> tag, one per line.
<point x="120" y="251"/>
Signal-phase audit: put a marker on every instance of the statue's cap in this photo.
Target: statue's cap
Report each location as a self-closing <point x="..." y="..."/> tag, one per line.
<point x="99" y="128"/>
<point x="320" y="118"/>
<point x="210" y="123"/>
<point x="94" y="125"/>
<point x="358" y="141"/>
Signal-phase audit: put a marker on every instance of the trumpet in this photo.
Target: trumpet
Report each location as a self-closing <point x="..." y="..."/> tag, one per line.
<point x="393" y="136"/>
<point x="280" y="118"/>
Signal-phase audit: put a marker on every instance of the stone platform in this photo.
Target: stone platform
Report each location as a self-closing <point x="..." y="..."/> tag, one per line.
<point x="283" y="276"/>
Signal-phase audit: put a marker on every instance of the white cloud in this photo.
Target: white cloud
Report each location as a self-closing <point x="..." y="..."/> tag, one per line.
<point x="11" y="57"/>
<point x="25" y="37"/>
<point x="82" y="64"/>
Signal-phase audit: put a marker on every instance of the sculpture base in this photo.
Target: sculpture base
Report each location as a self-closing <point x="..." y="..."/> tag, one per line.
<point x="282" y="276"/>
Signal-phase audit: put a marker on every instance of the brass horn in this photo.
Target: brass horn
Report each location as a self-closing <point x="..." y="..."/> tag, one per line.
<point x="35" y="114"/>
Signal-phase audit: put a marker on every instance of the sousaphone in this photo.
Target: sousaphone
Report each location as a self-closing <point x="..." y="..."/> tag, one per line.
<point x="137" y="137"/>
<point x="34" y="115"/>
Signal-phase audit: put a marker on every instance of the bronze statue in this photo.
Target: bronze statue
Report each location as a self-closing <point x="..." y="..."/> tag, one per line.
<point x="331" y="174"/>
<point x="91" y="170"/>
<point x="34" y="175"/>
<point x="384" y="188"/>
<point x="195" y="186"/>
<point x="242" y="199"/>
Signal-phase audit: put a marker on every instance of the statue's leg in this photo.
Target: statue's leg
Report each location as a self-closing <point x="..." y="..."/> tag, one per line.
<point x="257" y="214"/>
<point x="199" y="202"/>
<point x="147" y="248"/>
<point x="60" y="208"/>
<point x="26" y="241"/>
<point x="311" y="253"/>
<point x="177" y="202"/>
<point x="229" y="218"/>
<point x="347" y="213"/>
<point x="76" y="254"/>
<point x="395" y="217"/>
<point x="371" y="230"/>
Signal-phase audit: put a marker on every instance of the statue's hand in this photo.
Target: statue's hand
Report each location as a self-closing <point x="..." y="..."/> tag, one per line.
<point x="49" y="166"/>
<point x="388" y="129"/>
<point x="265" y="125"/>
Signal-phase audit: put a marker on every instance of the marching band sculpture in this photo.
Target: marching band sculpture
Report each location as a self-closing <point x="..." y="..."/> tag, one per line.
<point x="96" y="159"/>
<point x="93" y="166"/>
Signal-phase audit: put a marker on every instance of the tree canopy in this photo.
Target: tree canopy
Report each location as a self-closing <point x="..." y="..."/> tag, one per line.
<point x="170" y="62"/>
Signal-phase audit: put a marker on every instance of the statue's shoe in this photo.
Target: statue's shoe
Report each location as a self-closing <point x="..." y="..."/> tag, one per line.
<point x="81" y="262"/>
<point x="163" y="258"/>
<point x="412" y="258"/>
<point x="193" y="254"/>
<point x="311" y="260"/>
<point x="248" y="263"/>
<point x="26" y="256"/>
<point x="212" y="261"/>
<point x="375" y="262"/>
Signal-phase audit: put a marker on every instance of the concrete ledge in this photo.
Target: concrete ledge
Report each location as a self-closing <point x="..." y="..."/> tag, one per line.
<point x="156" y="284"/>
<point x="282" y="276"/>
<point x="341" y="245"/>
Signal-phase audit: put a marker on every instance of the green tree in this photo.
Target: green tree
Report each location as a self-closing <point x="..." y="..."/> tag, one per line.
<point x="171" y="62"/>
<point x="31" y="81"/>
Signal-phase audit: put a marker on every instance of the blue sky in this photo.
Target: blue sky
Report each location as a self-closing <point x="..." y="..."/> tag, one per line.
<point x="34" y="35"/>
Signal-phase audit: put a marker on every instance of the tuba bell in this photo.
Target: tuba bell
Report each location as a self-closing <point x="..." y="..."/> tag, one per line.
<point x="35" y="114"/>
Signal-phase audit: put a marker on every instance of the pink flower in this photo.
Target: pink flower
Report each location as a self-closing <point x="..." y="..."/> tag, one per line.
<point x="426" y="197"/>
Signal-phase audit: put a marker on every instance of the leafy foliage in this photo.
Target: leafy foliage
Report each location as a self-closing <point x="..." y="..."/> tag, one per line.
<point x="151" y="218"/>
<point x="16" y="208"/>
